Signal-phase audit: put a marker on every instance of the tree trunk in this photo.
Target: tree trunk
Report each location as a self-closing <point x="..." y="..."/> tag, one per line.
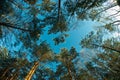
<point x="31" y="72"/>
<point x="107" y="47"/>
<point x="59" y="6"/>
<point x="15" y="75"/>
<point x="13" y="26"/>
<point x="69" y="71"/>
<point x="5" y="71"/>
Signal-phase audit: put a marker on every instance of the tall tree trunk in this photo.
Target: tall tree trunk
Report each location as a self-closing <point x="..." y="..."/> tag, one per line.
<point x="107" y="47"/>
<point x="13" y="26"/>
<point x="15" y="75"/>
<point x="69" y="71"/>
<point x="31" y="72"/>
<point x="59" y="6"/>
<point x="5" y="71"/>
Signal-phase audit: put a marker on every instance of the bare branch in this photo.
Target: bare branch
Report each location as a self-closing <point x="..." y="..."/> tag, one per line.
<point x="106" y="8"/>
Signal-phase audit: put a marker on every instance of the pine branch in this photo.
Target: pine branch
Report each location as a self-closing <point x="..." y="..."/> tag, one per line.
<point x="106" y="8"/>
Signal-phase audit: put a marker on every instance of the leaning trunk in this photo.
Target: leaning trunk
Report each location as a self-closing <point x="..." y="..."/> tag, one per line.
<point x="31" y="72"/>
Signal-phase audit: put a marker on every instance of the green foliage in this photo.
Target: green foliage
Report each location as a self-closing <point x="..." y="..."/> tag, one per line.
<point x="48" y="5"/>
<point x="93" y="14"/>
<point x="118" y="2"/>
<point x="107" y="62"/>
<point x="81" y="6"/>
<point x="41" y="49"/>
<point x="43" y="52"/>
<point x="31" y="2"/>
<point x="66" y="55"/>
<point x="91" y="39"/>
<point x="35" y="35"/>
<point x="5" y="7"/>
<point x="4" y="53"/>
<point x="60" y="39"/>
<point x="12" y="68"/>
<point x="46" y="9"/>
<point x="108" y="66"/>
<point x="66" y="70"/>
<point x="109" y="27"/>
<point x="84" y="75"/>
<point x="58" y="27"/>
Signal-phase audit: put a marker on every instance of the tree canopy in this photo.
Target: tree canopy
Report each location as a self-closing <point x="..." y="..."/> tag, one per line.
<point x="25" y="21"/>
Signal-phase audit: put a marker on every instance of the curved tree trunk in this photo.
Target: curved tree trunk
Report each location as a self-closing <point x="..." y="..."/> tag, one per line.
<point x="31" y="72"/>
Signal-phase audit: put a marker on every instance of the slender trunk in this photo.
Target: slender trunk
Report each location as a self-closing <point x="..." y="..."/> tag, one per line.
<point x="31" y="72"/>
<point x="107" y="47"/>
<point x="15" y="75"/>
<point x="12" y="26"/>
<point x="69" y="71"/>
<point x="5" y="71"/>
<point x="59" y="6"/>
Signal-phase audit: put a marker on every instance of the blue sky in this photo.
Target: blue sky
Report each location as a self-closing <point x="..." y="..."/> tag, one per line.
<point x="76" y="33"/>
